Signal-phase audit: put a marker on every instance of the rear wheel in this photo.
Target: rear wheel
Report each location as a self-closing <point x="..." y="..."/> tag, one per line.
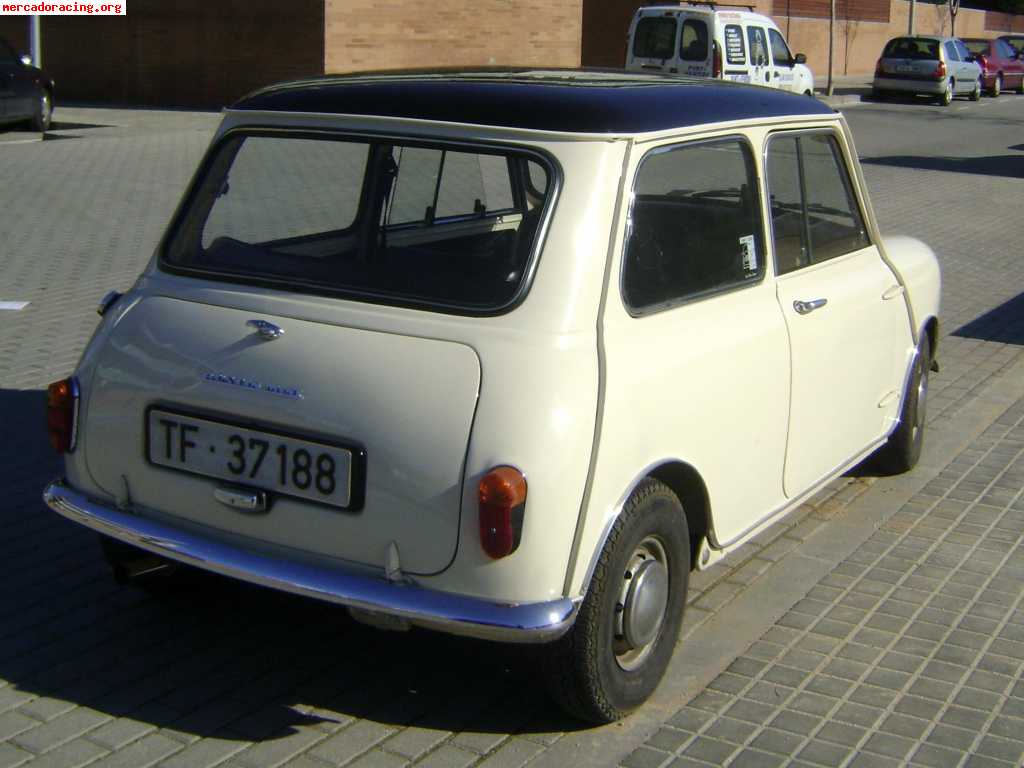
<point x="903" y="448"/>
<point x="44" y="112"/>
<point x="997" y="87"/>
<point x="624" y="635"/>
<point x="947" y="95"/>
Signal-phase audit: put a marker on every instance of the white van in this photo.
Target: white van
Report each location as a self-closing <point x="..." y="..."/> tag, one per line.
<point x="699" y="39"/>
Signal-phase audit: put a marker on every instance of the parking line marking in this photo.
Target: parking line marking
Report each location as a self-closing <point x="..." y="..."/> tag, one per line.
<point x="14" y="306"/>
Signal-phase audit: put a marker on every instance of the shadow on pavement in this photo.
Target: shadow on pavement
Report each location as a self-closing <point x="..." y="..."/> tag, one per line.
<point x="1010" y="166"/>
<point x="60" y="125"/>
<point x="1004" y="324"/>
<point x="216" y="656"/>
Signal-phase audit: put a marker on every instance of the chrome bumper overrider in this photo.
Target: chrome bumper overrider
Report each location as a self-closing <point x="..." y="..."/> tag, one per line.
<point x="446" y="612"/>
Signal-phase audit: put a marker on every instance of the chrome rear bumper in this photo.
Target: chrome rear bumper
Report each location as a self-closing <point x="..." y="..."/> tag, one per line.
<point x="442" y="611"/>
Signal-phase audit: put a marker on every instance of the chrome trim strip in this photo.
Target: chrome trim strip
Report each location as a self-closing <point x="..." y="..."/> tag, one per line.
<point x="442" y="611"/>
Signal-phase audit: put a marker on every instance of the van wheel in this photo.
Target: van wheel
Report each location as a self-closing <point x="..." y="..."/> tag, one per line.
<point x="809" y="93"/>
<point x="626" y="630"/>
<point x="903" y="448"/>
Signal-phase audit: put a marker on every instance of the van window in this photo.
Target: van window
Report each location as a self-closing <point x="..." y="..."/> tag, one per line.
<point x="376" y="220"/>
<point x="814" y="210"/>
<point x="655" y="37"/>
<point x="694" y="225"/>
<point x="693" y="45"/>
<point x="758" y="46"/>
<point x="735" y="50"/>
<point x="780" y="51"/>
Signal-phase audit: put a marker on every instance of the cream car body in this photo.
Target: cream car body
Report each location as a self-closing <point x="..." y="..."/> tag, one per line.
<point x="737" y="403"/>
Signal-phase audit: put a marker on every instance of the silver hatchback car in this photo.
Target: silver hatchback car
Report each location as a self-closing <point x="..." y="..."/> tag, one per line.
<point x="930" y="65"/>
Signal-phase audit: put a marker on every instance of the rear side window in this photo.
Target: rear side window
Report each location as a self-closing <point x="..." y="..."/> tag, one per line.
<point x="655" y="37"/>
<point x="977" y="46"/>
<point x="951" y="52"/>
<point x="694" y="227"/>
<point x="434" y="226"/>
<point x="814" y="211"/>
<point x="911" y="48"/>
<point x="735" y="51"/>
<point x="758" y="46"/>
<point x="693" y="44"/>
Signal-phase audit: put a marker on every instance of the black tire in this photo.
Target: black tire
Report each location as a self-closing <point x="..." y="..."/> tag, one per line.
<point x="976" y="93"/>
<point x="592" y="672"/>
<point x="44" y="112"/>
<point x="997" y="87"/>
<point x="903" y="448"/>
<point x="947" y="95"/>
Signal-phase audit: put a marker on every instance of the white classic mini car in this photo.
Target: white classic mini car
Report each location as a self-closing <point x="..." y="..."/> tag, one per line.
<point x="502" y="354"/>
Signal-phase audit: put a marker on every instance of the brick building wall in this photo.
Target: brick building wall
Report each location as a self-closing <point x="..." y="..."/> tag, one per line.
<point x="178" y="52"/>
<point x="370" y="34"/>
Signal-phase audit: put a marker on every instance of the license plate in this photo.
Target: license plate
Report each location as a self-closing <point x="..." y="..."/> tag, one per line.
<point x="905" y="68"/>
<point x="284" y="464"/>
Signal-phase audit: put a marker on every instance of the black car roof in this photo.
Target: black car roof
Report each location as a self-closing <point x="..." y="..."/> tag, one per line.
<point x="574" y="101"/>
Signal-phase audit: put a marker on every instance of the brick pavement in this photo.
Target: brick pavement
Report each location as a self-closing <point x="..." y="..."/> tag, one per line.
<point x="227" y="674"/>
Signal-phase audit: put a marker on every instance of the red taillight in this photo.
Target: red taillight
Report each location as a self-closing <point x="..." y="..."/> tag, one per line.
<point x="62" y="414"/>
<point x="879" y="71"/>
<point x="716" y="60"/>
<point x="940" y="70"/>
<point x="502" y="495"/>
<point x="983" y="63"/>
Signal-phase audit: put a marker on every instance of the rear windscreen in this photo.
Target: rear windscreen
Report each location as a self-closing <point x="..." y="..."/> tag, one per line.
<point x="655" y="37"/>
<point x="911" y="48"/>
<point x="408" y="223"/>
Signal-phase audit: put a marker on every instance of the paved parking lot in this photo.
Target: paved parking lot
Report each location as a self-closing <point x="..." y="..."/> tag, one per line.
<point x="879" y="624"/>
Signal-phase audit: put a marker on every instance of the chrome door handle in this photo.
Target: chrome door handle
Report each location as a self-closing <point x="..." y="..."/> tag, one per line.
<point x="806" y="307"/>
<point x="265" y="329"/>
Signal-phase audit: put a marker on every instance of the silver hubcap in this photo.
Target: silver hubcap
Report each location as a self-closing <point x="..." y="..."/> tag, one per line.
<point x="921" y="406"/>
<point x="44" y="108"/>
<point x="643" y="599"/>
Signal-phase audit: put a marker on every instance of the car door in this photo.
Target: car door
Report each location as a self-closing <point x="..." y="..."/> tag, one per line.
<point x="695" y="46"/>
<point x="9" y="65"/>
<point x="696" y="351"/>
<point x="1013" y="66"/>
<point x="848" y="326"/>
<point x="760" y="64"/>
<point x="782" y="62"/>
<point x="970" y="72"/>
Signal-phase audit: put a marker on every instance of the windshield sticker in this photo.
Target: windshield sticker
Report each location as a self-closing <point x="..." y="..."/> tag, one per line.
<point x="749" y="251"/>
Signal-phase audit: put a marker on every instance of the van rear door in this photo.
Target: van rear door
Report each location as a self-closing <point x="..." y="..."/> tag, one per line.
<point x="695" y="50"/>
<point x="652" y="40"/>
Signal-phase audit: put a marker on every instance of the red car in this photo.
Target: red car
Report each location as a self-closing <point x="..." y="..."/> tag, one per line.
<point x="1001" y="65"/>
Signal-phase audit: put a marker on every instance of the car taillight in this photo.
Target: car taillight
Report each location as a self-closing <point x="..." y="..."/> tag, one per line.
<point x="879" y="71"/>
<point x="62" y="414"/>
<point x="716" y="60"/>
<point x="502" y="496"/>
<point x="983" y="63"/>
<point x="940" y="70"/>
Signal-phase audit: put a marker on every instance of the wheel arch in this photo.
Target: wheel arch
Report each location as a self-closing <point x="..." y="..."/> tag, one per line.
<point x="686" y="483"/>
<point x="931" y="328"/>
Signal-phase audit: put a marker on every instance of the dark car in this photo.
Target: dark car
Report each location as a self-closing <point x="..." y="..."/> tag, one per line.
<point x="1001" y="64"/>
<point x="26" y="92"/>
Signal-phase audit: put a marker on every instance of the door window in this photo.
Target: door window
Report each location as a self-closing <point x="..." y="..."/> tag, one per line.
<point x="758" y="46"/>
<point x="655" y="37"/>
<point x="735" y="49"/>
<point x="780" y="51"/>
<point x="814" y="211"/>
<point x="693" y="44"/>
<point x="694" y="225"/>
<point x="951" y="52"/>
<point x="962" y="52"/>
